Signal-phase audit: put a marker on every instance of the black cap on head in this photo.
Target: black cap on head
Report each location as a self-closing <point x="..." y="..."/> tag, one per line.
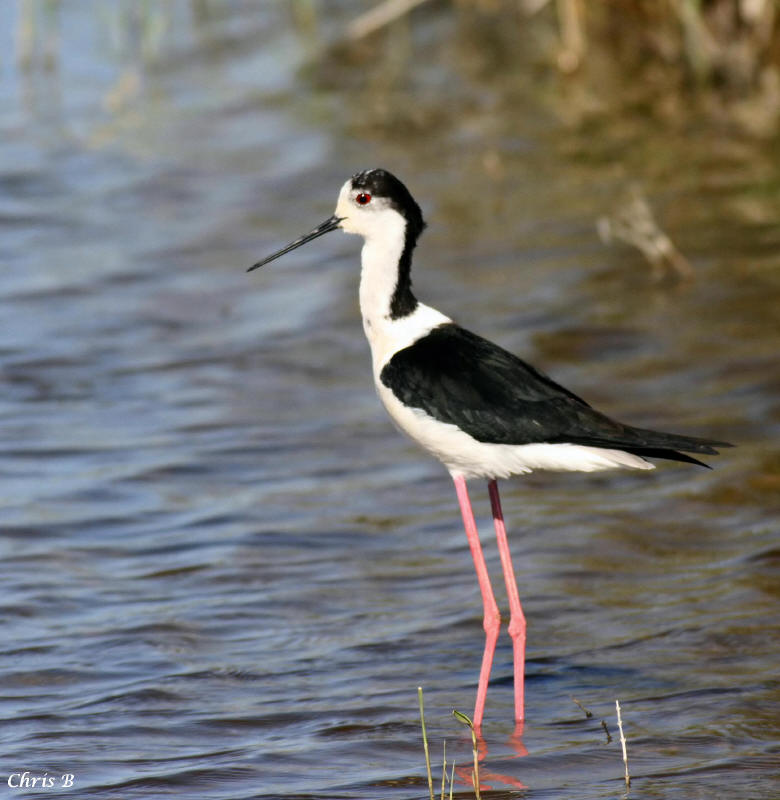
<point x="381" y="183"/>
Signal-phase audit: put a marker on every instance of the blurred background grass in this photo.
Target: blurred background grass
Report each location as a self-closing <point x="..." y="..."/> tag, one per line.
<point x="674" y="59"/>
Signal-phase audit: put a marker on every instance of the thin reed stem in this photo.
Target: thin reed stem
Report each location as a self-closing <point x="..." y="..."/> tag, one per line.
<point x="425" y="743"/>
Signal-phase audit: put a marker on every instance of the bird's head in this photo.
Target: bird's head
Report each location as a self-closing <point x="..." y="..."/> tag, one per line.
<point x="370" y="204"/>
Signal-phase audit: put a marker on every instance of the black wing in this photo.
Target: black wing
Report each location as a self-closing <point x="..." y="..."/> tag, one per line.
<point x="458" y="377"/>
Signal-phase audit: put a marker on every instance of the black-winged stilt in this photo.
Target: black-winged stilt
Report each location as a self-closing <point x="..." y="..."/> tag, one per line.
<point x="479" y="409"/>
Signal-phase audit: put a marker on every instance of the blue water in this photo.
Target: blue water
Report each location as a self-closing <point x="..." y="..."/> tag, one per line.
<point x="224" y="573"/>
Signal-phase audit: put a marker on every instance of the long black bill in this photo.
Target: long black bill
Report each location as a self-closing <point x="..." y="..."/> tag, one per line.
<point x="329" y="225"/>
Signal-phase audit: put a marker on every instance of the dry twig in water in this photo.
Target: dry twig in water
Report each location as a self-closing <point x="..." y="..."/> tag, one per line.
<point x="633" y="222"/>
<point x="584" y="710"/>
<point x="623" y="743"/>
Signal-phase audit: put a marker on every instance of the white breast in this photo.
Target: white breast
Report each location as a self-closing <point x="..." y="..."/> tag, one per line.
<point x="387" y="336"/>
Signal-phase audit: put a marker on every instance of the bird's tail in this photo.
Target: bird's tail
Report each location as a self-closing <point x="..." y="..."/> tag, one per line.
<point x="657" y="444"/>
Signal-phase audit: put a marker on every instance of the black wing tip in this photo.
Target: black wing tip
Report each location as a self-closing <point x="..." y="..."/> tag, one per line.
<point x="672" y="454"/>
<point x="709" y="448"/>
<point x="666" y="454"/>
<point x="688" y="459"/>
<point x="656" y="440"/>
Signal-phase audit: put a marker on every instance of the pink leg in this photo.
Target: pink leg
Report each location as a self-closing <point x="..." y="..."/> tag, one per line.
<point x="492" y="619"/>
<point x="517" y="618"/>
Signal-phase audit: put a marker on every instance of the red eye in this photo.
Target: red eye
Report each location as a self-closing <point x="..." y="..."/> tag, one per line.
<point x="363" y="199"/>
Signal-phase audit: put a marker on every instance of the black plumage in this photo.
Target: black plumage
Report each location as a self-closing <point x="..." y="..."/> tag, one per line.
<point x="460" y="378"/>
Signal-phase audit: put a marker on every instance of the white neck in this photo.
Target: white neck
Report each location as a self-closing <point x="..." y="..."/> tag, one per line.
<point x="379" y="258"/>
<point x="378" y="279"/>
